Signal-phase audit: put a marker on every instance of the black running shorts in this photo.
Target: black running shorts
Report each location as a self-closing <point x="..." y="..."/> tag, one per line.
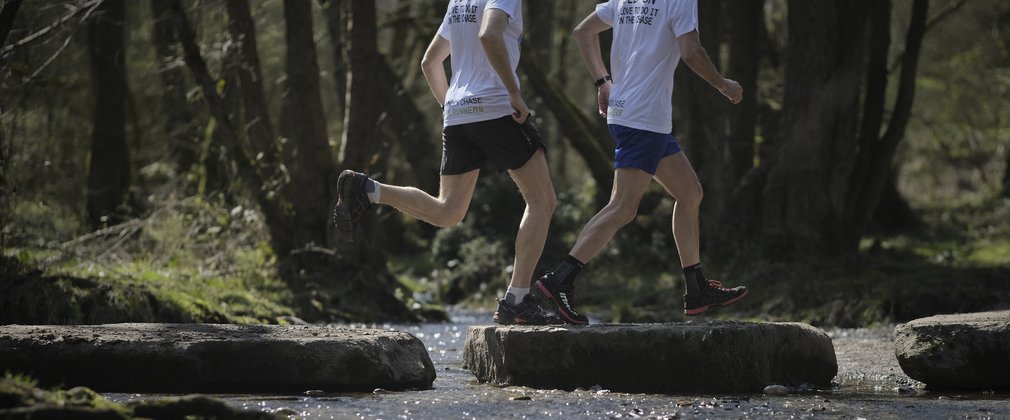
<point x="503" y="142"/>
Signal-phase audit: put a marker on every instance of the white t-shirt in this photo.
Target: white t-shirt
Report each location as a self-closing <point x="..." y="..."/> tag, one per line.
<point x="476" y="93"/>
<point x="644" y="55"/>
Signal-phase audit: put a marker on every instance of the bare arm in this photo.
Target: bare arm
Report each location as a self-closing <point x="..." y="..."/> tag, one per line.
<point x="492" y="30"/>
<point x="587" y="35"/>
<point x="431" y="66"/>
<point x="694" y="54"/>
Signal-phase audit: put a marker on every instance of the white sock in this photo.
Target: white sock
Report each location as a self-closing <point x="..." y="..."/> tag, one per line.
<point x="373" y="195"/>
<point x="518" y="294"/>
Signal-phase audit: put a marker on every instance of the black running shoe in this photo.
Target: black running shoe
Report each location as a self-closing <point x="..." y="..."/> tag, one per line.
<point x="352" y="202"/>
<point x="712" y="294"/>
<point x="527" y="312"/>
<point x="562" y="297"/>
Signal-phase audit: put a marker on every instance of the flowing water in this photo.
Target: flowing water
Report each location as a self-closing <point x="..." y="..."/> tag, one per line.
<point x="869" y="385"/>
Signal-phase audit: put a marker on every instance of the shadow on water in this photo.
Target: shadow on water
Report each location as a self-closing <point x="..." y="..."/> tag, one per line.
<point x="869" y="385"/>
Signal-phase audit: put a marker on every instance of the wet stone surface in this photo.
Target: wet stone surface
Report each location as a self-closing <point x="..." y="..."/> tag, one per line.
<point x="868" y="385"/>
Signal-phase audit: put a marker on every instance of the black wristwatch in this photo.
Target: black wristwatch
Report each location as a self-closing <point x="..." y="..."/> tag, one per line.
<point x="599" y="82"/>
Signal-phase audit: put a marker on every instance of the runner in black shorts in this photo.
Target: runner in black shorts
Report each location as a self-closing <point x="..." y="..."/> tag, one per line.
<point x="486" y="121"/>
<point x="501" y="142"/>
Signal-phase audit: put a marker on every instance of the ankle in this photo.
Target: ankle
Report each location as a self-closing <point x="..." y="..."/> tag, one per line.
<point x="568" y="270"/>
<point x="373" y="190"/>
<point x="694" y="279"/>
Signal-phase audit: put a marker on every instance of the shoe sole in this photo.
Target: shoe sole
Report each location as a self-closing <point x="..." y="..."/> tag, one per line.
<point x="702" y="309"/>
<point x="346" y="224"/>
<point x="546" y="294"/>
<point x="522" y="321"/>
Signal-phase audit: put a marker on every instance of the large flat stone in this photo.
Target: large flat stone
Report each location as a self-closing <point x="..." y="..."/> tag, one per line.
<point x="216" y="358"/>
<point x="964" y="351"/>
<point x="693" y="357"/>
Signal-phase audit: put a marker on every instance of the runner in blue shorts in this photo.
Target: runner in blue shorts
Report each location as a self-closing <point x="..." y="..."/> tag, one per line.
<point x="654" y="36"/>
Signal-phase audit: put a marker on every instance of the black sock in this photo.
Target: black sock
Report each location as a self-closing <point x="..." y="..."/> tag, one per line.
<point x="694" y="278"/>
<point x="568" y="270"/>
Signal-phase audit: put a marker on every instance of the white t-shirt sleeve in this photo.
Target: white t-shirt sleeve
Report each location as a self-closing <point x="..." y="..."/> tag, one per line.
<point x="605" y="11"/>
<point x="684" y="17"/>
<point x="443" y="29"/>
<point x="510" y="7"/>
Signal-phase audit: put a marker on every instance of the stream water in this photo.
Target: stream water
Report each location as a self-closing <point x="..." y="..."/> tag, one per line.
<point x="869" y="385"/>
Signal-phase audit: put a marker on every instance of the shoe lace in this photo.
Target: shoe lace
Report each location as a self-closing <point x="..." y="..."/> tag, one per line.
<point x="716" y="284"/>
<point x="530" y="306"/>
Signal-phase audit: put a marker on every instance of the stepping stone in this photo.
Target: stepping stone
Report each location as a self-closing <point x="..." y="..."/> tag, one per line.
<point x="184" y="358"/>
<point x="964" y="351"/>
<point x="694" y="357"/>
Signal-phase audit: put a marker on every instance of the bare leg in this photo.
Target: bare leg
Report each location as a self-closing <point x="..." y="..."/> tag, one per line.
<point x="534" y="183"/>
<point x="677" y="176"/>
<point x="448" y="209"/>
<point x="629" y="186"/>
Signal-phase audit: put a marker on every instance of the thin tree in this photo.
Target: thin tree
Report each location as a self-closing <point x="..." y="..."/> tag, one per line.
<point x="259" y="129"/>
<point x="7" y="15"/>
<point x="303" y="123"/>
<point x="109" y="167"/>
<point x="179" y="119"/>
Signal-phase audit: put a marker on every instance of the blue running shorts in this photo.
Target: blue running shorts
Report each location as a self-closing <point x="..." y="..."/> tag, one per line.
<point x="640" y="148"/>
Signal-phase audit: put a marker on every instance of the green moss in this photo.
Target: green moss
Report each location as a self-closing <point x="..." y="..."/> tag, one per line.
<point x="77" y="292"/>
<point x="22" y="391"/>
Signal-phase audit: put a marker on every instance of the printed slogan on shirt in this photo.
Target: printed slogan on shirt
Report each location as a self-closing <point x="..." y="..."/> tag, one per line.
<point x="462" y="13"/>
<point x="632" y="14"/>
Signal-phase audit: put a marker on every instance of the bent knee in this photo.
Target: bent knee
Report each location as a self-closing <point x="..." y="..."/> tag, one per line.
<point x="622" y="214"/>
<point x="544" y="205"/>
<point x="448" y="219"/>
<point x="692" y="196"/>
<point x="449" y="216"/>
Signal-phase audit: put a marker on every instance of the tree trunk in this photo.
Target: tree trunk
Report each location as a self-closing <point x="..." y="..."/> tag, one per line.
<point x="218" y="174"/>
<point x="804" y="194"/>
<point x="308" y="154"/>
<point x="873" y="104"/>
<point x="7" y="15"/>
<point x="180" y="128"/>
<point x="540" y="32"/>
<point x="723" y="183"/>
<point x="5" y="185"/>
<point x="336" y="25"/>
<point x="1006" y="177"/>
<point x="746" y="32"/>
<point x="362" y="107"/>
<point x="109" y="168"/>
<point x="259" y="129"/>
<point x="869" y="186"/>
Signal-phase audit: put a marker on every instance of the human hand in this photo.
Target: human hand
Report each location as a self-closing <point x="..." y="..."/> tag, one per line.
<point x="732" y="91"/>
<point x="603" y="97"/>
<point x="519" y="109"/>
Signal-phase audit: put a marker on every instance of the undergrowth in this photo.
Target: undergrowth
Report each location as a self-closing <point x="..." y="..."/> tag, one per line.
<point x="191" y="260"/>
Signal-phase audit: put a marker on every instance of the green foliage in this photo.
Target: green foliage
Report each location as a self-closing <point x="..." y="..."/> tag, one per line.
<point x="956" y="147"/>
<point x="192" y="260"/>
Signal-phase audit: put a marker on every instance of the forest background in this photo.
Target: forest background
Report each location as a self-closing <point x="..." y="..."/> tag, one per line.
<point x="174" y="160"/>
